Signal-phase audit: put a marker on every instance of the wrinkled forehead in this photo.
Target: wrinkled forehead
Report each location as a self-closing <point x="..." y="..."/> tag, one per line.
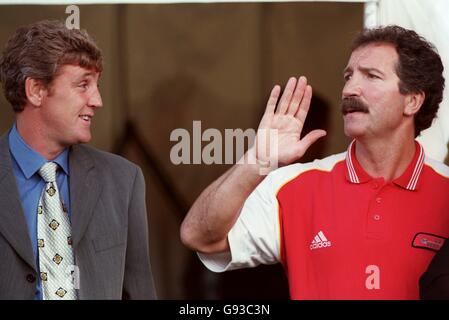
<point x="382" y="56"/>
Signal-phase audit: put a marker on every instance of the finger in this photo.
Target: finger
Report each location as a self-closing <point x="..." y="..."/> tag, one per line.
<point x="310" y="139"/>
<point x="273" y="99"/>
<point x="297" y="96"/>
<point x="286" y="96"/>
<point x="303" y="109"/>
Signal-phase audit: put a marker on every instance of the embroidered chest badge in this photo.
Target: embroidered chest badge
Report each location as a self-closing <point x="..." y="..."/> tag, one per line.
<point x="428" y="241"/>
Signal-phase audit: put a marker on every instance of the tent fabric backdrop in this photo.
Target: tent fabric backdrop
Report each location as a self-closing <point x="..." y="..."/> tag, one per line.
<point x="428" y="18"/>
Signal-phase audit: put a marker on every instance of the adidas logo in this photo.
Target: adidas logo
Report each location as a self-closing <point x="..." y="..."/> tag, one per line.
<point x="320" y="241"/>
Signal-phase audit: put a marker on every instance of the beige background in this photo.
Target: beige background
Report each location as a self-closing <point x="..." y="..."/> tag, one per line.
<point x="168" y="65"/>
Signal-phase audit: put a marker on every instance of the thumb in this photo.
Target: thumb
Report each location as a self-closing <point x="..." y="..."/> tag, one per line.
<point x="310" y="139"/>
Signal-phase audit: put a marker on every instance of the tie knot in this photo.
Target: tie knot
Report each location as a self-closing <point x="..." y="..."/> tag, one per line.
<point x="48" y="171"/>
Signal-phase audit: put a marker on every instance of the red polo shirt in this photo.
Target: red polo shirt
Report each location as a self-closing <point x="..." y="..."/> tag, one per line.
<point x="340" y="233"/>
<point x="374" y="230"/>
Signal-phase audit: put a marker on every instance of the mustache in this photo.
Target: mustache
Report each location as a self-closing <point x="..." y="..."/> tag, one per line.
<point x="349" y="105"/>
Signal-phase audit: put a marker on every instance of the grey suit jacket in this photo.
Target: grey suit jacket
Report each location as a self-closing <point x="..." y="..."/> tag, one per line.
<point x="109" y="229"/>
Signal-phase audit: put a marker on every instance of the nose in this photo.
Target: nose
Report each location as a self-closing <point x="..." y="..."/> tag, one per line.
<point x="95" y="100"/>
<point x="352" y="88"/>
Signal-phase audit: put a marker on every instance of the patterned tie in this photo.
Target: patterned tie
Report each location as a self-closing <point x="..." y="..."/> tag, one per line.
<point x="54" y="241"/>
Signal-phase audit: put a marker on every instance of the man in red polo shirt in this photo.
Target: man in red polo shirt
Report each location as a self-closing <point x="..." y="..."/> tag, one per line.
<point x="363" y="224"/>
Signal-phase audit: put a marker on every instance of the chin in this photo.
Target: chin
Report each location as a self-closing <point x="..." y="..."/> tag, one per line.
<point x="353" y="127"/>
<point x="84" y="138"/>
<point x="353" y="132"/>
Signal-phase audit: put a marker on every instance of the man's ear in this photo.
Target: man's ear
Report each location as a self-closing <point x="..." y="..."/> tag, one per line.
<point x="413" y="102"/>
<point x="35" y="91"/>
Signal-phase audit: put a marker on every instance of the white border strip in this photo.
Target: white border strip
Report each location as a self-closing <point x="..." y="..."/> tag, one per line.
<point x="19" y="2"/>
<point x="371" y="14"/>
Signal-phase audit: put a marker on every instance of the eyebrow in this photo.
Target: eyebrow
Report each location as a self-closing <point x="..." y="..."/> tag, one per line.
<point x="83" y="77"/>
<point x="363" y="69"/>
<point x="86" y="74"/>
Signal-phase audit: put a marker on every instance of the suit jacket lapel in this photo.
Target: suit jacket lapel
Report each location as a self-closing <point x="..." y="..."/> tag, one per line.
<point x="13" y="225"/>
<point x="85" y="190"/>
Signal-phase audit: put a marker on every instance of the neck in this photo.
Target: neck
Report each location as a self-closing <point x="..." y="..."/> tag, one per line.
<point x="36" y="137"/>
<point x="385" y="158"/>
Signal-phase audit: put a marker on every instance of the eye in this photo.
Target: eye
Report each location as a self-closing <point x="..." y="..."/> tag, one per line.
<point x="347" y="77"/>
<point x="84" y="85"/>
<point x="373" y="76"/>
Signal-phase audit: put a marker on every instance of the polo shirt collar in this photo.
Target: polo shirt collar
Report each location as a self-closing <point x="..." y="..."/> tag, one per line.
<point x="408" y="180"/>
<point x="28" y="160"/>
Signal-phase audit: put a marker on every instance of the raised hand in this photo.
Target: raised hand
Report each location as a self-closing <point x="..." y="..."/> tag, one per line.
<point x="285" y="122"/>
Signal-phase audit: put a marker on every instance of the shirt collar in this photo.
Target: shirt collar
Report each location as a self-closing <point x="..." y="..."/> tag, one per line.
<point x="408" y="180"/>
<point x="30" y="161"/>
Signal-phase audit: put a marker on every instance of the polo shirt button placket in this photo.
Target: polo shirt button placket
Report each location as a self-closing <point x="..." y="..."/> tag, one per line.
<point x="377" y="216"/>
<point x="375" y="223"/>
<point x="378" y="200"/>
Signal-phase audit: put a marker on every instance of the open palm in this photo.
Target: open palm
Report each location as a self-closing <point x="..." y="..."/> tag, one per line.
<point x="286" y="121"/>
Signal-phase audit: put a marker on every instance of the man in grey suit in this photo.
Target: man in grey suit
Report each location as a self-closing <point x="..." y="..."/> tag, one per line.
<point x="50" y="77"/>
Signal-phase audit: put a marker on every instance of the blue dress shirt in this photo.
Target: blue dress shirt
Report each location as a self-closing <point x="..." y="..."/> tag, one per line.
<point x="26" y="163"/>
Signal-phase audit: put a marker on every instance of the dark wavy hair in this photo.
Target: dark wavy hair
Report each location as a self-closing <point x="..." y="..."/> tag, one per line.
<point x="419" y="67"/>
<point x="38" y="51"/>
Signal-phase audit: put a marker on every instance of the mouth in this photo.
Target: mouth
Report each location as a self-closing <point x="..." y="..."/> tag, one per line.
<point x="86" y="117"/>
<point x="349" y="111"/>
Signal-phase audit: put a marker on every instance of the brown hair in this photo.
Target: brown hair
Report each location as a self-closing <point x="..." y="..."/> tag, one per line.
<point x="38" y="51"/>
<point x="419" y="67"/>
